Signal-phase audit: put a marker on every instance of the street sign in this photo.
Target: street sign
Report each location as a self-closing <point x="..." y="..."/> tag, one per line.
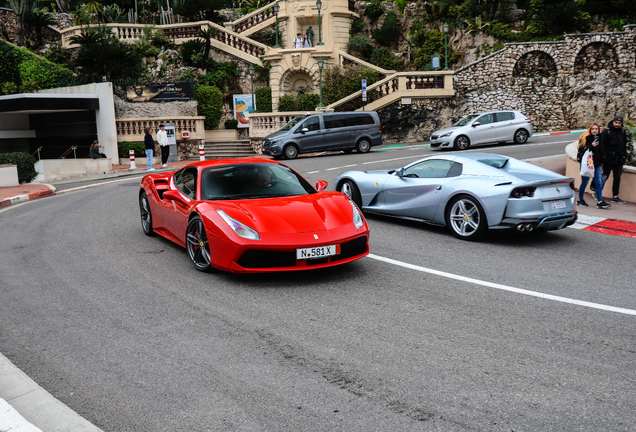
<point x="364" y="85"/>
<point x="364" y="95"/>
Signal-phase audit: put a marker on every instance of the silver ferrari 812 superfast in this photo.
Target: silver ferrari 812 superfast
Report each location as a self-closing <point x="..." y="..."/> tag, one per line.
<point x="470" y="193"/>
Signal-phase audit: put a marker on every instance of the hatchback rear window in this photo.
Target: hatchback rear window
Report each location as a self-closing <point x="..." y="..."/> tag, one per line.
<point x="504" y="116"/>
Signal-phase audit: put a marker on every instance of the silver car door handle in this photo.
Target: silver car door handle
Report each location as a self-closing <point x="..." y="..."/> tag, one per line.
<point x="438" y="187"/>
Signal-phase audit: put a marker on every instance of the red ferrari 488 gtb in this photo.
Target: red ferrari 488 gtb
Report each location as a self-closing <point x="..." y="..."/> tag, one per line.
<point x="252" y="215"/>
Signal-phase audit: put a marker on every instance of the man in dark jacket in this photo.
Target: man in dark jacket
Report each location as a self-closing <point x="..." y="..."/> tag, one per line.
<point x="614" y="142"/>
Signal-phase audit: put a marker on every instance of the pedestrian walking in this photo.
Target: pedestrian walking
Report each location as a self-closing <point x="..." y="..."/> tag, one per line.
<point x="162" y="140"/>
<point x="149" y="143"/>
<point x="589" y="140"/>
<point x="614" y="142"/>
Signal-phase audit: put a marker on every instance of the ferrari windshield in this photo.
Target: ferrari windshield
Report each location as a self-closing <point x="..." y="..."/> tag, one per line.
<point x="254" y="180"/>
<point x="292" y="123"/>
<point x="465" y="120"/>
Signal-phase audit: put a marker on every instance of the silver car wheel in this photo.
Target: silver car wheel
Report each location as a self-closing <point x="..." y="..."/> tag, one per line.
<point x="197" y="245"/>
<point x="462" y="142"/>
<point x="521" y="136"/>
<point x="466" y="218"/>
<point x="291" y="151"/>
<point x="363" y="146"/>
<point x="350" y="189"/>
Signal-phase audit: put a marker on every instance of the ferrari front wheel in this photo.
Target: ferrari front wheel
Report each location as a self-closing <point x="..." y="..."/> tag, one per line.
<point x="146" y="215"/>
<point x="350" y="189"/>
<point x="466" y="218"/>
<point x="197" y="245"/>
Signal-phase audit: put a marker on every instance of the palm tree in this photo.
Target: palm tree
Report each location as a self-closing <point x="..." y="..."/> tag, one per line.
<point x="22" y="9"/>
<point x="207" y="36"/>
<point x="39" y="19"/>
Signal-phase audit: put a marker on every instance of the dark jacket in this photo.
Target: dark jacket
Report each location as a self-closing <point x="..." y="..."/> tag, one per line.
<point x="149" y="142"/>
<point x="598" y="151"/>
<point x="614" y="142"/>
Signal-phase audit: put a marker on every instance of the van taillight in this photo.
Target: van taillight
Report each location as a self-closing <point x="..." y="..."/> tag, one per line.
<point x="380" y="128"/>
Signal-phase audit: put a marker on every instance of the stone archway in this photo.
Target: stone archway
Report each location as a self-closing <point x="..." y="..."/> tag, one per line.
<point x="535" y="64"/>
<point x="596" y="56"/>
<point x="298" y="81"/>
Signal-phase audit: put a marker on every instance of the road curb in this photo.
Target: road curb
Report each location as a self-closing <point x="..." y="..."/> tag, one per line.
<point x="28" y="197"/>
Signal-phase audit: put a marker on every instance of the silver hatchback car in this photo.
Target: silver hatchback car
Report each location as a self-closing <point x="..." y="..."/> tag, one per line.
<point x="484" y="128"/>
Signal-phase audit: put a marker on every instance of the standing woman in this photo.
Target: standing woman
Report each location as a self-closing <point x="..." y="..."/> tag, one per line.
<point x="306" y="42"/>
<point x="149" y="143"/>
<point x="589" y="140"/>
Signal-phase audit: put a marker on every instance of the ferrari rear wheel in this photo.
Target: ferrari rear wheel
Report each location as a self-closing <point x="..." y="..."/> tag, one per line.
<point x="146" y="215"/>
<point x="461" y="142"/>
<point x="350" y="189"/>
<point x="466" y="218"/>
<point x="197" y="244"/>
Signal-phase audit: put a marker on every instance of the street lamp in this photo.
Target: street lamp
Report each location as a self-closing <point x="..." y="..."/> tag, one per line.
<point x="321" y="63"/>
<point x="445" y="28"/>
<point x="319" y="6"/>
<point x="233" y="15"/>
<point x="276" y="8"/>
<point x="250" y="70"/>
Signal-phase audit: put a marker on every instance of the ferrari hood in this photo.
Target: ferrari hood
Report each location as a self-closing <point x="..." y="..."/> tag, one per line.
<point x="315" y="212"/>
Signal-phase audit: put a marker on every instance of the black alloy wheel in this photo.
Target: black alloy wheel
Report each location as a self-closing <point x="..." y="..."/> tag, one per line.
<point x="197" y="245"/>
<point x="466" y="219"/>
<point x="146" y="215"/>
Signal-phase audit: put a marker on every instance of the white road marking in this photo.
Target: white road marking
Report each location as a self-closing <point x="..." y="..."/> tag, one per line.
<point x="335" y="168"/>
<point x="389" y="160"/>
<point x="312" y="172"/>
<point x="585" y="221"/>
<point x="505" y="287"/>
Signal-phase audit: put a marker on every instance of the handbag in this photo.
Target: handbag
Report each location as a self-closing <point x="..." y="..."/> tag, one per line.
<point x="587" y="164"/>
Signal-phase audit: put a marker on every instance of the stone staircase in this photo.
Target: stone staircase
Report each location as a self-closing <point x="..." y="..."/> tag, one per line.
<point x="228" y="149"/>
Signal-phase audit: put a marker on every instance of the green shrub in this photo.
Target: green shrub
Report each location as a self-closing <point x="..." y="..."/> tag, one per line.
<point x="59" y="55"/>
<point x="401" y="4"/>
<point x="286" y="103"/>
<point x="374" y="10"/>
<point x="123" y="149"/>
<point x="25" y="163"/>
<point x="210" y="101"/>
<point x="339" y="83"/>
<point x="356" y="26"/>
<point x="231" y="124"/>
<point x="263" y="100"/>
<point x="360" y="44"/>
<point x="307" y="101"/>
<point x="384" y="58"/>
<point x="389" y="33"/>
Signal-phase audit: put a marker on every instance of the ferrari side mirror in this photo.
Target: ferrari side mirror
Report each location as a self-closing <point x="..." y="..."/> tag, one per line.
<point x="321" y="185"/>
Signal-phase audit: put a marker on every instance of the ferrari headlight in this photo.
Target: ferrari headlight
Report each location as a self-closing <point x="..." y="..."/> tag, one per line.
<point x="447" y="134"/>
<point x="357" y="217"/>
<point x="239" y="228"/>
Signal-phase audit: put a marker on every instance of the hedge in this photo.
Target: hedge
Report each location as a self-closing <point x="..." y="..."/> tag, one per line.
<point x="25" y="163"/>
<point x="210" y="101"/>
<point x="286" y="103"/>
<point x="30" y="72"/>
<point x="263" y="101"/>
<point x="124" y="147"/>
<point x="307" y="101"/>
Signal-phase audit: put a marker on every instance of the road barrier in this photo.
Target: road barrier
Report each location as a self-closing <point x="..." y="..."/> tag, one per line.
<point x="132" y="159"/>
<point x="201" y="152"/>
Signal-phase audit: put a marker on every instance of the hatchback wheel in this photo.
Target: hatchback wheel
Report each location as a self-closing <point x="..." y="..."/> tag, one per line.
<point x="521" y="136"/>
<point x="461" y="142"/>
<point x="466" y="218"/>
<point x="146" y="215"/>
<point x="363" y="146"/>
<point x="197" y="244"/>
<point x="291" y="151"/>
<point x="350" y="189"/>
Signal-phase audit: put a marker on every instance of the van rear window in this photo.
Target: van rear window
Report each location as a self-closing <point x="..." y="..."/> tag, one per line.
<point x="360" y="119"/>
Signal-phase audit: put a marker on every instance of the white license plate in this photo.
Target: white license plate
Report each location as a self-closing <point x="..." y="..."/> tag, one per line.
<point x="557" y="205"/>
<point x="317" y="252"/>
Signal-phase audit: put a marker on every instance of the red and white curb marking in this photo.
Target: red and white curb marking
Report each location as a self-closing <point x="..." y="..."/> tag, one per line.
<point x="605" y="226"/>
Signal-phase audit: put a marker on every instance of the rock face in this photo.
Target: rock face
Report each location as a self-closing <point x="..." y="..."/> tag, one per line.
<point x="125" y="109"/>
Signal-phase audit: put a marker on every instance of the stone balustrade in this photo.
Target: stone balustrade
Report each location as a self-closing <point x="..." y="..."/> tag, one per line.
<point x="253" y="19"/>
<point x="132" y="129"/>
<point x="129" y="33"/>
<point x="263" y="124"/>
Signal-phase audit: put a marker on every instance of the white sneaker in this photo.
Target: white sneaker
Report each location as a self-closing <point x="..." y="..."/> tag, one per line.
<point x="150" y="169"/>
<point x="164" y="165"/>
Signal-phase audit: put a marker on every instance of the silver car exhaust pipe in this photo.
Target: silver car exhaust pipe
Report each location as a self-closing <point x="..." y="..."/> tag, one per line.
<point x="529" y="227"/>
<point x="521" y="227"/>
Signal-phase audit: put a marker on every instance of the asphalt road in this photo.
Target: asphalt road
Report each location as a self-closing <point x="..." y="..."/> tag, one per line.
<point x="122" y="328"/>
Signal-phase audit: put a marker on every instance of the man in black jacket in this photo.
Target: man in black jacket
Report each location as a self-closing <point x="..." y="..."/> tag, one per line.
<point x="614" y="142"/>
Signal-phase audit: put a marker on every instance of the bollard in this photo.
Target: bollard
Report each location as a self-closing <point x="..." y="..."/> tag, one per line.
<point x="132" y="159"/>
<point x="201" y="152"/>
